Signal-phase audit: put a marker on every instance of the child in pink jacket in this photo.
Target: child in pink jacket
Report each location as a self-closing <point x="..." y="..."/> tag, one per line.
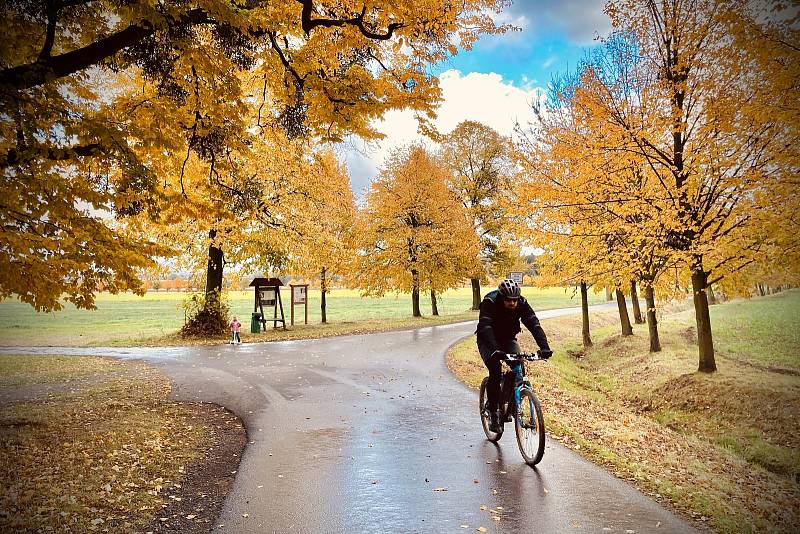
<point x="235" y="326"/>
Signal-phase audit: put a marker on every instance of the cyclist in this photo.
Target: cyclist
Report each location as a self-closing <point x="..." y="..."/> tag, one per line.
<point x="498" y="325"/>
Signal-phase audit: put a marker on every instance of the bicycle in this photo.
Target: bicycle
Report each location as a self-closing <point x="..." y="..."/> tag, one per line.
<point x="518" y="403"/>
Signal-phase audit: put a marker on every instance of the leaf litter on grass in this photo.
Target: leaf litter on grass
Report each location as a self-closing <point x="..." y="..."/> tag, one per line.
<point x="106" y="455"/>
<point x="658" y="424"/>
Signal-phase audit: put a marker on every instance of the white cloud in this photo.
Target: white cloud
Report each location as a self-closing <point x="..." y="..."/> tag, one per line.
<point x="485" y="98"/>
<point x="580" y="20"/>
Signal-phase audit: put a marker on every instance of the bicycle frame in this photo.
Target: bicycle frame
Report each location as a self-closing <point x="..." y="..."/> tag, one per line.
<point x="520" y="382"/>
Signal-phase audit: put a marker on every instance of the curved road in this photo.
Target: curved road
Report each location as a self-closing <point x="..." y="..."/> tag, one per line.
<point x="372" y="433"/>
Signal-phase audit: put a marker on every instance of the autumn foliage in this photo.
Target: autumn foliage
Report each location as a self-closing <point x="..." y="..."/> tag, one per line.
<point x="669" y="157"/>
<point x="118" y="115"/>
<point x="414" y="234"/>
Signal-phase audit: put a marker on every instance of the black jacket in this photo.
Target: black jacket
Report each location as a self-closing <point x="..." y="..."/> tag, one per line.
<point x="498" y="324"/>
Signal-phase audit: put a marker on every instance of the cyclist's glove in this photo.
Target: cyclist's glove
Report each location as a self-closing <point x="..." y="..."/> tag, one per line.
<point x="545" y="354"/>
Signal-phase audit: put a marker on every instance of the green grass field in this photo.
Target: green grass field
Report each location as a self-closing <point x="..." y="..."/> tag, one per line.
<point x="741" y="327"/>
<point x="130" y="319"/>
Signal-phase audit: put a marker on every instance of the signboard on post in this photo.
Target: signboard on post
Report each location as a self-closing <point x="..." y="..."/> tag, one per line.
<point x="516" y="276"/>
<point x="299" y="296"/>
<point x="267" y="296"/>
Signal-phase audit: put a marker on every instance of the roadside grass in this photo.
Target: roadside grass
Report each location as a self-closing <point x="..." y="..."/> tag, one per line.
<point x="722" y="448"/>
<point x="105" y="456"/>
<point x="127" y="319"/>
<point x="313" y="331"/>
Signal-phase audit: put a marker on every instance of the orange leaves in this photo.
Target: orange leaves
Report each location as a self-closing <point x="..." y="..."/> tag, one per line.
<point x="414" y="232"/>
<point x="159" y="117"/>
<point x="481" y="168"/>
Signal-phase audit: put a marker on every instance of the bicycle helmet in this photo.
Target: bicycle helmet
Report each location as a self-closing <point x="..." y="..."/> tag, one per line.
<point x="509" y="289"/>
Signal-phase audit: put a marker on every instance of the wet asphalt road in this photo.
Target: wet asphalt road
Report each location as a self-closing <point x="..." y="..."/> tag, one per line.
<point x="372" y="433"/>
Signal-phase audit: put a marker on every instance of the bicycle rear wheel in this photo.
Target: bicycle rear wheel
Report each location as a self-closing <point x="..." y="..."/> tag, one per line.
<point x="529" y="424"/>
<point x="484" y="410"/>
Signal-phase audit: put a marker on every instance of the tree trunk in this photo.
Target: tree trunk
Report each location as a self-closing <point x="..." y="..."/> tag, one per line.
<point x="434" y="306"/>
<point x="415" y="293"/>
<point x="712" y="297"/>
<point x="214" y="269"/>
<point x="705" y="341"/>
<point x="323" y="287"/>
<point x="637" y="312"/>
<point x="652" y="323"/>
<point x="476" y="293"/>
<point x="625" y="321"/>
<point x="609" y="295"/>
<point x="587" y="341"/>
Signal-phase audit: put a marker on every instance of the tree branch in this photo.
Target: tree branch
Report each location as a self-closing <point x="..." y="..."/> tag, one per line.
<point x="358" y="21"/>
<point x="17" y="157"/>
<point x="50" y="68"/>
<point x="50" y="34"/>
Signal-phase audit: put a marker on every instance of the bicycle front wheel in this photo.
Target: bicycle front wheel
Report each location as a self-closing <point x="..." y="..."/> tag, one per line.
<point x="529" y="423"/>
<point x="483" y="405"/>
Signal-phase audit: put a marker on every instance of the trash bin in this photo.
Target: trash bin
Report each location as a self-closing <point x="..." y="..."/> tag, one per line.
<point x="255" y="323"/>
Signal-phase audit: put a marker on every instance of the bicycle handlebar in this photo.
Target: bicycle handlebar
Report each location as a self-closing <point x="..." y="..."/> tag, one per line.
<point x="529" y="356"/>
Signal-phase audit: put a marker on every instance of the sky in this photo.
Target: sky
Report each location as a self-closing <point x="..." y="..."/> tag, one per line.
<point x="495" y="82"/>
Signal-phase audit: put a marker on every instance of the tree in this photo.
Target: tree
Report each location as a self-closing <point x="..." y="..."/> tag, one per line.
<point x="414" y="232"/>
<point x="587" y="339"/>
<point x="585" y="199"/>
<point x="704" y="128"/>
<point x="481" y="167"/>
<point x="325" y="240"/>
<point x="250" y="222"/>
<point x="81" y="100"/>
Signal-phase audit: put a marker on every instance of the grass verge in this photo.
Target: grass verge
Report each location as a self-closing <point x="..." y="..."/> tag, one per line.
<point x="126" y="319"/>
<point x="722" y="448"/>
<point x="101" y="448"/>
<point x="314" y="331"/>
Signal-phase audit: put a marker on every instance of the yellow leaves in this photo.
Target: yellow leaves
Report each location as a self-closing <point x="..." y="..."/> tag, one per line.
<point x="181" y="130"/>
<point x="414" y="232"/>
<point x="641" y="165"/>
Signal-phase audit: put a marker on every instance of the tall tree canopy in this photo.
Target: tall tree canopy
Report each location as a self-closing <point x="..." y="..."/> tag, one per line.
<point x="324" y="245"/>
<point x="481" y="166"/>
<point x="414" y="232"/>
<point x="99" y="99"/>
<point x="681" y="146"/>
